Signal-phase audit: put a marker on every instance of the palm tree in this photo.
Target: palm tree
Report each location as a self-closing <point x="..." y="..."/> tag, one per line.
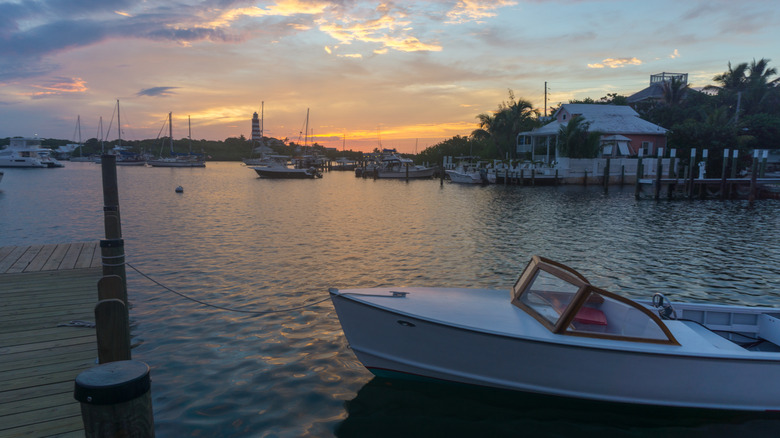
<point x="674" y="90"/>
<point x="749" y="84"/>
<point x="503" y="126"/>
<point x="575" y="141"/>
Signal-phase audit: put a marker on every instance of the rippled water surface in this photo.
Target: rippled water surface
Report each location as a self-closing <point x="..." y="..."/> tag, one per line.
<point x="237" y="241"/>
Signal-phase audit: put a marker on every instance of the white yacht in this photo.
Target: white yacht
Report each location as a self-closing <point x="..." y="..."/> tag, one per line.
<point x="27" y="152"/>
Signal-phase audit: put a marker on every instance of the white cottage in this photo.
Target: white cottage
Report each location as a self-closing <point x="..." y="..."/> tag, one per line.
<point x="623" y="132"/>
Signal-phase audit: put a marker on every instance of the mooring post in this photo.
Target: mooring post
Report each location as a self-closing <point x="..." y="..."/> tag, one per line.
<point x="658" y="171"/>
<point x="691" y="177"/>
<point x="606" y="176"/>
<point x="639" y="172"/>
<point x="723" y="174"/>
<point x="764" y="159"/>
<point x="116" y="400"/>
<point x="753" y="175"/>
<point x="672" y="172"/>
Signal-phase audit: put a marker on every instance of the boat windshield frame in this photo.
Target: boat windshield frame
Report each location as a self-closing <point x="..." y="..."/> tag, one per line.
<point x="567" y="311"/>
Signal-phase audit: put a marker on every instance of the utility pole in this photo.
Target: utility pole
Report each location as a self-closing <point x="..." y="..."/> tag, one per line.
<point x="545" y="99"/>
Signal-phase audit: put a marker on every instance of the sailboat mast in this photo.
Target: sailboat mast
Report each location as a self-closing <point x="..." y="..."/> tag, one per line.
<point x="170" y="130"/>
<point x="118" y="123"/>
<point x="306" y="134"/>
<point x="102" y="140"/>
<point x="189" y="132"/>
<point x="262" y="120"/>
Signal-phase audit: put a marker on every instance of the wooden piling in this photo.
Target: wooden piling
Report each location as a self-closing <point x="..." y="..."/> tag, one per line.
<point x="639" y="174"/>
<point x="116" y="400"/>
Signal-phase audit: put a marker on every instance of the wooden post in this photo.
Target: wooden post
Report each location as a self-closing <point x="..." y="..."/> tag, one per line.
<point x="691" y="177"/>
<point x="753" y="175"/>
<point x="112" y="328"/>
<point x="659" y="168"/>
<point x="556" y="177"/>
<point x="734" y="161"/>
<point x="723" y="174"/>
<point x="703" y="186"/>
<point x="606" y="176"/>
<point x="622" y="175"/>
<point x="672" y="172"/>
<point x="639" y="173"/>
<point x="762" y="172"/>
<point x="407" y="171"/>
<point x="116" y="400"/>
<point x="533" y="177"/>
<point x="111" y="215"/>
<point x="112" y="287"/>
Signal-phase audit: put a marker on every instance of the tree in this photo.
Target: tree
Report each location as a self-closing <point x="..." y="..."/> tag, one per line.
<point x="576" y="141"/>
<point x="674" y="90"/>
<point x="503" y="126"/>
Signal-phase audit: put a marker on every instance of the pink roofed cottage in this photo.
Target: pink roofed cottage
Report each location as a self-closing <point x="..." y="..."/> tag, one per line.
<point x="623" y="132"/>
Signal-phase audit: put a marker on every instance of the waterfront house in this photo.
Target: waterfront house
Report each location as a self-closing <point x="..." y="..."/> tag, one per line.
<point x="623" y="132"/>
<point x="654" y="93"/>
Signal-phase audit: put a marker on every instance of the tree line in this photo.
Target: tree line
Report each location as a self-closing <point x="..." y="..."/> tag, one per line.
<point x="741" y="111"/>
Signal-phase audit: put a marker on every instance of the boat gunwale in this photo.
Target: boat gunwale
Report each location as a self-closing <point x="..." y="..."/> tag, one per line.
<point x="608" y="344"/>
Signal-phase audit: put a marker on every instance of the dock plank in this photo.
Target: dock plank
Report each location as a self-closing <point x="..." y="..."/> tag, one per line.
<point x="71" y="255"/>
<point x="43" y="255"/>
<point x="41" y="287"/>
<point x="12" y="257"/>
<point x="56" y="258"/>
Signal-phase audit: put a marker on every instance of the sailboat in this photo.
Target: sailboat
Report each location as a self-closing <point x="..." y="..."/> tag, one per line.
<point x="178" y="159"/>
<point x="124" y="156"/>
<point x="278" y="168"/>
<point x="79" y="145"/>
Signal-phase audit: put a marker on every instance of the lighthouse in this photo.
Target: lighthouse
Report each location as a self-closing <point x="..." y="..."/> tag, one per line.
<point x="257" y="133"/>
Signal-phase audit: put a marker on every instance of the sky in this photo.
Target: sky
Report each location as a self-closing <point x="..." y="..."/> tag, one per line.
<point x="402" y="74"/>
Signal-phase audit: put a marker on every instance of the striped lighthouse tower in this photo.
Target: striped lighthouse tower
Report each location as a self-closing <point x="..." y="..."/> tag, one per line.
<point x="257" y="134"/>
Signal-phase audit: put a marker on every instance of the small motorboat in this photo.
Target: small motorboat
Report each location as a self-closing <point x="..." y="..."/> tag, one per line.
<point x="554" y="333"/>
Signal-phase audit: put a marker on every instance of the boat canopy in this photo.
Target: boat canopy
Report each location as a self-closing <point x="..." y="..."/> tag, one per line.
<point x="566" y="303"/>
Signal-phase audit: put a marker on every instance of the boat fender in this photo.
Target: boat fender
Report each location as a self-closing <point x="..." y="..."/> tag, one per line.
<point x="664" y="306"/>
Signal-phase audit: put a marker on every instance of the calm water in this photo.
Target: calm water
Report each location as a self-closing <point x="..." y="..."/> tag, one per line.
<point x="241" y="242"/>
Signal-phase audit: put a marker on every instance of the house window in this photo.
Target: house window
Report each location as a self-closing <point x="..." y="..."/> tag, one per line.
<point x="647" y="148"/>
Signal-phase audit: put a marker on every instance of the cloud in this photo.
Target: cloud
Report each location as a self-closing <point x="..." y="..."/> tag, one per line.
<point x="59" y="86"/>
<point x="675" y="54"/>
<point x="475" y="10"/>
<point x="616" y="63"/>
<point x="157" y="92"/>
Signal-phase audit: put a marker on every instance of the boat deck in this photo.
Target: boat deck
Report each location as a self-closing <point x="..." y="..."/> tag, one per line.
<point x="43" y="288"/>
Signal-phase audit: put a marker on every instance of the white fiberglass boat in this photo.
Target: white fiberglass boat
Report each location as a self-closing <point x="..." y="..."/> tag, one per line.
<point x="27" y="153"/>
<point x="554" y="333"/>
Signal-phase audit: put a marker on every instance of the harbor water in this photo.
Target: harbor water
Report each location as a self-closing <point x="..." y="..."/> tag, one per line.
<point x="280" y="367"/>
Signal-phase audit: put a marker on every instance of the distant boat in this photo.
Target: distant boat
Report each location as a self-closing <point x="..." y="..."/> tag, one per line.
<point x="467" y="172"/>
<point x="178" y="159"/>
<point x="278" y="169"/>
<point x="27" y="153"/>
<point x="398" y="167"/>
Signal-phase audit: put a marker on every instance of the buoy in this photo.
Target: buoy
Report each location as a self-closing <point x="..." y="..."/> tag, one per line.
<point x="179" y="189"/>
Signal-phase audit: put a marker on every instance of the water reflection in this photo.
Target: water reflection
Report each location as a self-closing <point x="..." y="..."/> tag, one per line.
<point x="241" y="242"/>
<point x="394" y="408"/>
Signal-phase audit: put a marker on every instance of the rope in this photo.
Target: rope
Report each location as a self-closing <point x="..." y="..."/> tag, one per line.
<point x="254" y="312"/>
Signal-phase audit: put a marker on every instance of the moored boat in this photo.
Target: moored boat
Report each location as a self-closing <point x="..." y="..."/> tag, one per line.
<point x="554" y="333"/>
<point x="27" y="153"/>
<point x="393" y="165"/>
<point x="279" y="170"/>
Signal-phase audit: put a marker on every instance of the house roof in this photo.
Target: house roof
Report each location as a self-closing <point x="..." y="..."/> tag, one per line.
<point x="607" y="119"/>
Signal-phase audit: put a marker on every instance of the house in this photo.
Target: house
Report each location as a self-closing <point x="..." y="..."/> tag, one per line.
<point x="623" y="132"/>
<point x="655" y="92"/>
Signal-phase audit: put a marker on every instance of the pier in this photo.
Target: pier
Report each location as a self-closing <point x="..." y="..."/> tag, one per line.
<point x="47" y="293"/>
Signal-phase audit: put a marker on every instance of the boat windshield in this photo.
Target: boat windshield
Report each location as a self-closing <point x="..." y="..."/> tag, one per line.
<point x="564" y="301"/>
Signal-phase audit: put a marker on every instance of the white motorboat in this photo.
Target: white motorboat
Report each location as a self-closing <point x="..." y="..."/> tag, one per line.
<point x="466" y="172"/>
<point x="556" y="334"/>
<point x="396" y="166"/>
<point x="279" y="170"/>
<point x="27" y="153"/>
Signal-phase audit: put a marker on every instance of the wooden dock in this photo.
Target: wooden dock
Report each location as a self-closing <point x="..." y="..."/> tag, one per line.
<point x="43" y="289"/>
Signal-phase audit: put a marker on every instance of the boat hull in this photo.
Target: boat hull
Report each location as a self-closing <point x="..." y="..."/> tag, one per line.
<point x="402" y="174"/>
<point x="464" y="177"/>
<point x="280" y="173"/>
<point x="172" y="163"/>
<point x="387" y="341"/>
